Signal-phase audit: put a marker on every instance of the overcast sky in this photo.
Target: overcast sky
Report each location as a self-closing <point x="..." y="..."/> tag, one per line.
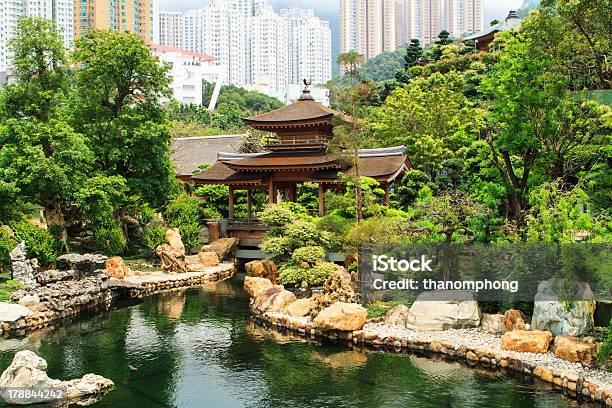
<point x="494" y="9"/>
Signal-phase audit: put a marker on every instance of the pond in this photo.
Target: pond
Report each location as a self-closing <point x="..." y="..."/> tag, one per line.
<point x="198" y="348"/>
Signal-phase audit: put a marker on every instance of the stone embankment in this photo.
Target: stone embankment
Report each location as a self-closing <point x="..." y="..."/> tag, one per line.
<point x="93" y="281"/>
<point x="566" y="365"/>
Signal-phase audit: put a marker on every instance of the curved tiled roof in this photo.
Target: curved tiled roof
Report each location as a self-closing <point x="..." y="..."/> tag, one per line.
<point x="190" y="152"/>
<point x="300" y="111"/>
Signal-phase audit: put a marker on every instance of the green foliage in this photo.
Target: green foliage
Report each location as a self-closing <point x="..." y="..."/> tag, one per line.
<point x="184" y="213"/>
<point x="380" y="308"/>
<point x="310" y="254"/>
<point x="39" y="242"/>
<point x="276" y="216"/>
<point x="7" y="243"/>
<point x="153" y="236"/>
<point x="292" y="274"/>
<point x="248" y="101"/>
<point x="604" y="354"/>
<point x="383" y="67"/>
<point x="110" y="239"/>
<point x="7" y="287"/>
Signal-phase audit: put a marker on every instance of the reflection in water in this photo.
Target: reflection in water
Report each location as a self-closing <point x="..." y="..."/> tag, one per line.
<point x="198" y="348"/>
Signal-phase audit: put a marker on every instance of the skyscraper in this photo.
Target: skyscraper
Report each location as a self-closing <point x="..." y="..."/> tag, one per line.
<point x="368" y="26"/>
<point x="426" y="20"/>
<point x="309" y="47"/>
<point x="463" y="17"/>
<point x="60" y="11"/>
<point x="118" y="15"/>
<point x="171" y="29"/>
<point x="269" y="53"/>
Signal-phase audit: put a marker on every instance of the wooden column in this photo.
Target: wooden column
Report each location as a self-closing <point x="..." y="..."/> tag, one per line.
<point x="231" y="203"/>
<point x="271" y="192"/>
<point x="321" y="200"/>
<point x="387" y="194"/>
<point x="250" y="204"/>
<point x="293" y="193"/>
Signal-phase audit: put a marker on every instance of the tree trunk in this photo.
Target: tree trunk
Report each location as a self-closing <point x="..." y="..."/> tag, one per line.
<point x="55" y="218"/>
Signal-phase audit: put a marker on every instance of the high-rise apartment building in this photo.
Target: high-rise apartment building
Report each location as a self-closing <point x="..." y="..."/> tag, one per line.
<point x="463" y="17"/>
<point x="59" y="11"/>
<point x="309" y="47"/>
<point x="140" y="17"/>
<point x="269" y="55"/>
<point x="426" y="24"/>
<point x="219" y="30"/>
<point x="368" y="26"/>
<point x="171" y="29"/>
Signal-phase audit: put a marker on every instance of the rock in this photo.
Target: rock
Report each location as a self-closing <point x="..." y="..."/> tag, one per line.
<point x="443" y="310"/>
<point x="254" y="286"/>
<point x="514" y="320"/>
<point x="52" y="276"/>
<point x="84" y="263"/>
<point x="29" y="301"/>
<point x="224" y="247"/>
<point x="342" y="316"/>
<point x="274" y="299"/>
<point x="27" y="371"/>
<point x="573" y="349"/>
<point x="192" y="263"/>
<point x="23" y="269"/>
<point x="534" y="341"/>
<point x="543" y="373"/>
<point x="299" y="308"/>
<point x="10" y="312"/>
<point x="572" y="318"/>
<point x="172" y="253"/>
<point x="173" y="238"/>
<point x="397" y="315"/>
<point x="209" y="258"/>
<point x="492" y="323"/>
<point x="117" y="268"/>
<point x="337" y="288"/>
<point x="262" y="269"/>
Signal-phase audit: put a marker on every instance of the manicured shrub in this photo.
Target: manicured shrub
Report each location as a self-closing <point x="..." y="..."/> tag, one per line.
<point x="110" y="239"/>
<point x="153" y="236"/>
<point x="277" y="216"/>
<point x="184" y="213"/>
<point x="292" y="274"/>
<point x="40" y="243"/>
<point x="310" y="254"/>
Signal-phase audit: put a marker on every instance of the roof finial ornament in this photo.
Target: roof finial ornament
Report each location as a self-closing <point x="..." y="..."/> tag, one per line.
<point x="306" y="92"/>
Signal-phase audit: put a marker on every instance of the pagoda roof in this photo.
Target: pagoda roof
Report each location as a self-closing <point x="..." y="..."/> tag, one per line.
<point x="304" y="110"/>
<point x="253" y="168"/>
<point x="190" y="152"/>
<point x="513" y="21"/>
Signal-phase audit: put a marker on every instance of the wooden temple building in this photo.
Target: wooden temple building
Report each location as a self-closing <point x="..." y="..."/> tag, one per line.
<point x="299" y="155"/>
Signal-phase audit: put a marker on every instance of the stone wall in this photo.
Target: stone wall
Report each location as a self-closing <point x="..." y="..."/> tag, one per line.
<point x="570" y="382"/>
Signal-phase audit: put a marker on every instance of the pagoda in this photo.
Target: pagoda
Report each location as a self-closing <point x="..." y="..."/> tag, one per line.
<point x="304" y="130"/>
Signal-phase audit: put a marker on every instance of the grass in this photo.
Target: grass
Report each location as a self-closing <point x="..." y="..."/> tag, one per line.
<point x="8" y="286"/>
<point x="379" y="309"/>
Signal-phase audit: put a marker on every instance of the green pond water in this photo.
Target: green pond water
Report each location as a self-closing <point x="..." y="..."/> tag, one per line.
<point x="198" y="348"/>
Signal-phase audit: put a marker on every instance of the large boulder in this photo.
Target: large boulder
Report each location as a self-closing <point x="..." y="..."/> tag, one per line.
<point x="117" y="267"/>
<point x="443" y="310"/>
<point x="572" y="318"/>
<point x="29" y="301"/>
<point x="172" y="253"/>
<point x="224" y="247"/>
<point x="534" y="341"/>
<point x="573" y="349"/>
<point x="10" y="312"/>
<point x="209" y="258"/>
<point x="274" y="299"/>
<point x="342" y="316"/>
<point x="262" y="269"/>
<point x="27" y="371"/>
<point x="492" y="323"/>
<point x="299" y="308"/>
<point x="397" y="315"/>
<point x="254" y="286"/>
<point x="83" y="263"/>
<point x="514" y="320"/>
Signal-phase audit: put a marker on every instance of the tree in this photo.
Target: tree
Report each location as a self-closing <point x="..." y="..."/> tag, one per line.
<point x="351" y="62"/>
<point x="523" y="115"/>
<point x="42" y="157"/>
<point x="383" y="67"/>
<point x="119" y="86"/>
<point x="414" y="53"/>
<point x="444" y="38"/>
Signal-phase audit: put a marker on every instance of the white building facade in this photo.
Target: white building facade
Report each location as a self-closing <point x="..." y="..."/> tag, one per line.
<point x="463" y="17"/>
<point x="171" y="29"/>
<point x="60" y="11"/>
